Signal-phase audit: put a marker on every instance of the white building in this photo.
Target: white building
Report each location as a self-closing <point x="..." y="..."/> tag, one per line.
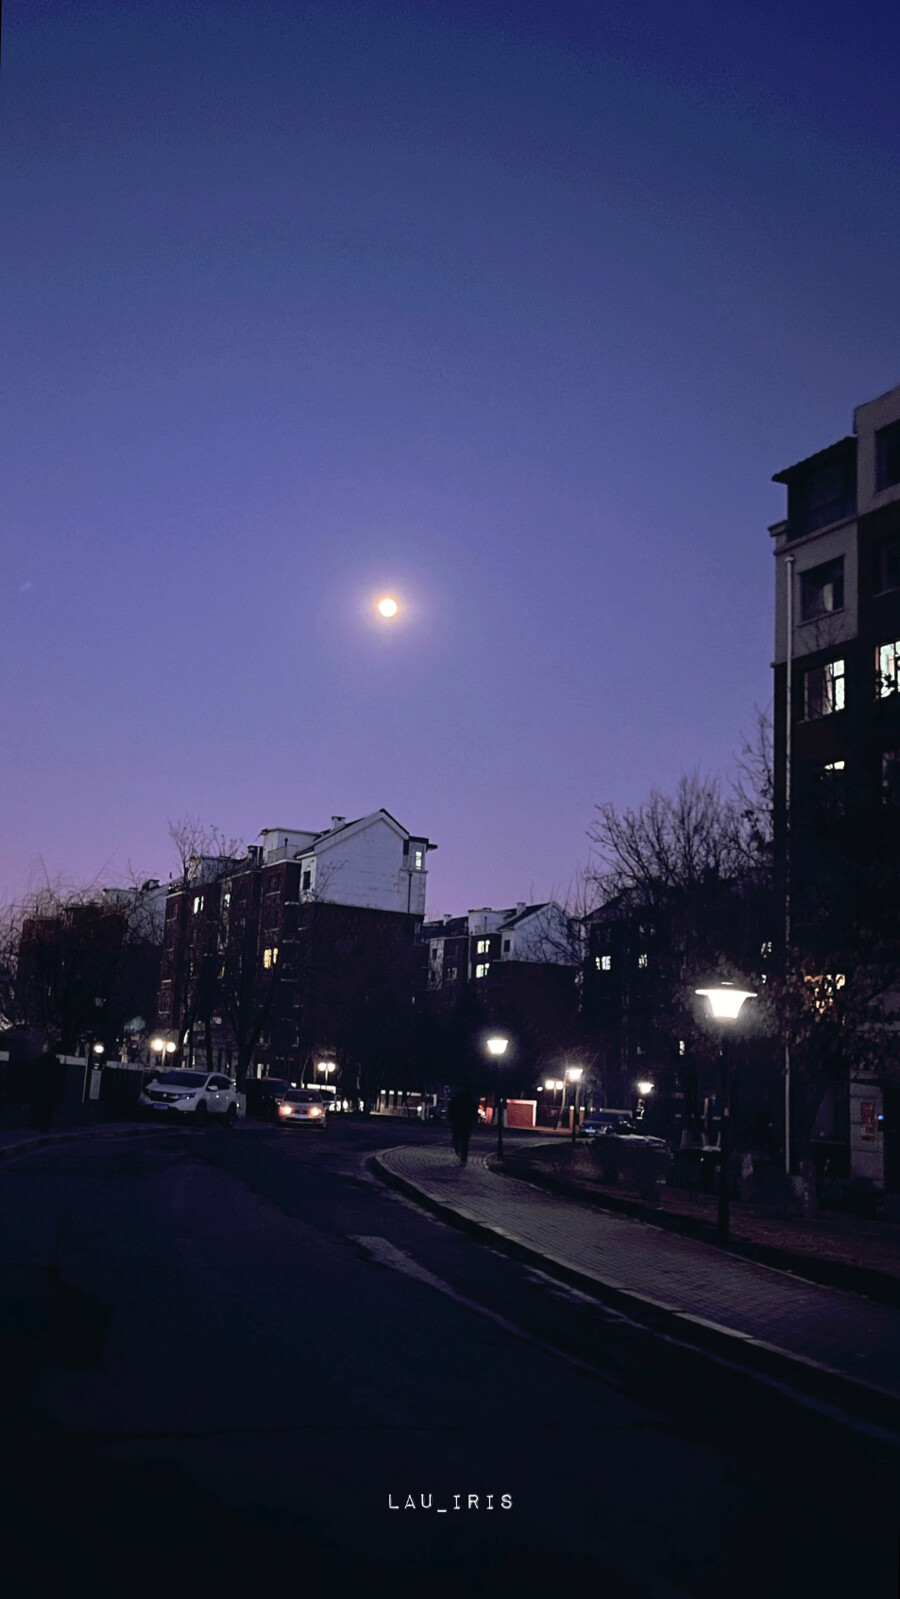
<point x="372" y="862"/>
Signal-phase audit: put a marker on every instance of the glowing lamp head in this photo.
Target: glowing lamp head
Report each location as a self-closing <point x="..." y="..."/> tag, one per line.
<point x="725" y="1000"/>
<point x="497" y="1045"/>
<point x="644" y="1088"/>
<point x="574" y="1074"/>
<point x="387" y="607"/>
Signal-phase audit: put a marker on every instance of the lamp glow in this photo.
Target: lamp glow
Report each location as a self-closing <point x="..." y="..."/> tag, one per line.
<point x="387" y="606"/>
<point x="725" y="1000"/>
<point x="497" y="1045"/>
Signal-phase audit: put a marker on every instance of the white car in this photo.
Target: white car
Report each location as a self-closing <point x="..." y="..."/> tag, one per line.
<point x="299" y="1107"/>
<point x="177" y="1093"/>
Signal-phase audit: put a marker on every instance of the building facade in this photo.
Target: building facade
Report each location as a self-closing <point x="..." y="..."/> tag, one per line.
<point x="837" y="756"/>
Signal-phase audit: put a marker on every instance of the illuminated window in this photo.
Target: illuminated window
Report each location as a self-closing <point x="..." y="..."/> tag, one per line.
<point x="419" y="859"/>
<point x="642" y="961"/>
<point x="823" y="690"/>
<point x="887" y="667"/>
<point x="483" y="946"/>
<point x="822" y="589"/>
<point x="270" y="957"/>
<point x="483" y="969"/>
<point x="198" y="904"/>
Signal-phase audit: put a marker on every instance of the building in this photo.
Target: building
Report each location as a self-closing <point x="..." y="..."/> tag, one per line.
<point x="837" y="758"/>
<point x="303" y="948"/>
<point x="518" y="968"/>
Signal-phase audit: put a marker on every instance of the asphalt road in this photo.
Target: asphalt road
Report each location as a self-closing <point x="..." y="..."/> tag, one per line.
<point x="229" y="1356"/>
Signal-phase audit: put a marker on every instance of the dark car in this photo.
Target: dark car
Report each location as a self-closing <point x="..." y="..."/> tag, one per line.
<point x="262" y="1094"/>
<point x="604" y="1123"/>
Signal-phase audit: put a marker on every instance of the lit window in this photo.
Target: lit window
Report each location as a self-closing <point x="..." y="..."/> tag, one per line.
<point x="606" y="963"/>
<point x="681" y="1046"/>
<point x="642" y="961"/>
<point x="267" y="958"/>
<point x="226" y="899"/>
<point x="822" y="589"/>
<point x="765" y="947"/>
<point x="483" y="969"/>
<point x="198" y="904"/>
<point x="824" y="690"/>
<point x="834" y="766"/>
<point x="887" y="667"/>
<point x="274" y="957"/>
<point x="483" y="946"/>
<point x="419" y="859"/>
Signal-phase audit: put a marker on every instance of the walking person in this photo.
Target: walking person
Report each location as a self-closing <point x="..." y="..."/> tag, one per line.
<point x="43" y="1088"/>
<point x="462" y="1113"/>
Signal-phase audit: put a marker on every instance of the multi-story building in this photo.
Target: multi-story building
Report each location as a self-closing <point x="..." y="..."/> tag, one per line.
<point x="837" y="723"/>
<point x="519" y="968"/>
<point x="302" y="948"/>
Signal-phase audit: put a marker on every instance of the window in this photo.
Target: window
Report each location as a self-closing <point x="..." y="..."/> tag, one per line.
<point x="642" y="962"/>
<point x="823" y="690"/>
<point x="887" y="457"/>
<point x="888" y="576"/>
<point x="198" y="904"/>
<point x="887" y="668"/>
<point x="834" y="766"/>
<point x="765" y="947"/>
<point x="606" y="963"/>
<point x="507" y="946"/>
<point x="418" y="859"/>
<point x="482" y="969"/>
<point x="890" y="776"/>
<point x="226" y="899"/>
<point x="307" y="880"/>
<point x="822" y="589"/>
<point x="270" y="957"/>
<point x="483" y="946"/>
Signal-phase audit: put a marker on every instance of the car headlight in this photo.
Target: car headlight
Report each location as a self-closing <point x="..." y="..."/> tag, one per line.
<point x="315" y="1110"/>
<point x="285" y="1110"/>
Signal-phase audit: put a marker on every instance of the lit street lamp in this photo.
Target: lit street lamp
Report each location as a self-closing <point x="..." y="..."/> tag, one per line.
<point x="555" y="1085"/>
<point x="161" y="1048"/>
<point x="645" y="1089"/>
<point x="574" y="1075"/>
<point x="725" y="1002"/>
<point x="497" y="1045"/>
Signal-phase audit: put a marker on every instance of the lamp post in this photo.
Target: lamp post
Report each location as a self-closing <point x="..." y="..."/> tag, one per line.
<point x="161" y="1048"/>
<point x="553" y="1086"/>
<point x="725" y="1003"/>
<point x="497" y="1045"/>
<point x="645" y="1089"/>
<point x="574" y="1075"/>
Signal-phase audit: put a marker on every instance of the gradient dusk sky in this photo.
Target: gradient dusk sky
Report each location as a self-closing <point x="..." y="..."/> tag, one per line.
<point x="509" y="309"/>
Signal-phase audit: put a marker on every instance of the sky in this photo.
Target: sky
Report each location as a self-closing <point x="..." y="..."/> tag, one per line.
<point x="510" y="310"/>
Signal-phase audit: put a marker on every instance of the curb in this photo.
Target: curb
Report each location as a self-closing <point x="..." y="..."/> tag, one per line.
<point x="751" y="1357"/>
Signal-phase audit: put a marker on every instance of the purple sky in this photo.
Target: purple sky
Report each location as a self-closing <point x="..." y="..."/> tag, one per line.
<point x="512" y="309"/>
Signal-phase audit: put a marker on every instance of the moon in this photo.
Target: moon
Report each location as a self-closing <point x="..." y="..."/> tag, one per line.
<point x="388" y="607"/>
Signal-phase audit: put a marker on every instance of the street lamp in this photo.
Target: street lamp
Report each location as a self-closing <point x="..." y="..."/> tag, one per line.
<point x="574" y="1075"/>
<point x="725" y="1003"/>
<point x="162" y="1047"/>
<point x="496" y="1045"/>
<point x="553" y="1085"/>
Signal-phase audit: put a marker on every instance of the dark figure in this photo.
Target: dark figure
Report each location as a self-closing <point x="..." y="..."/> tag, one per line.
<point x="43" y="1086"/>
<point x="462" y="1114"/>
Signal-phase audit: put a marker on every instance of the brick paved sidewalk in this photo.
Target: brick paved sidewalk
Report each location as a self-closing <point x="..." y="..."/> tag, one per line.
<point x="657" y="1270"/>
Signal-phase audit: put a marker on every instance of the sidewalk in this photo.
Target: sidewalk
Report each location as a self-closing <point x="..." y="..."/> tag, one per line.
<point x="840" y="1347"/>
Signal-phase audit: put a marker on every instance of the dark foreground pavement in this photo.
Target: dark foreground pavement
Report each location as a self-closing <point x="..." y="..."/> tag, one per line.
<point x="237" y="1352"/>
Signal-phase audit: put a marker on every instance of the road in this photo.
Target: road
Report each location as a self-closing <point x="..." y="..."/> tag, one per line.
<point x="237" y="1353"/>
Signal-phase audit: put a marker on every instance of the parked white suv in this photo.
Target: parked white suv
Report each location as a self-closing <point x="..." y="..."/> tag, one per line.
<point x="180" y="1092"/>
